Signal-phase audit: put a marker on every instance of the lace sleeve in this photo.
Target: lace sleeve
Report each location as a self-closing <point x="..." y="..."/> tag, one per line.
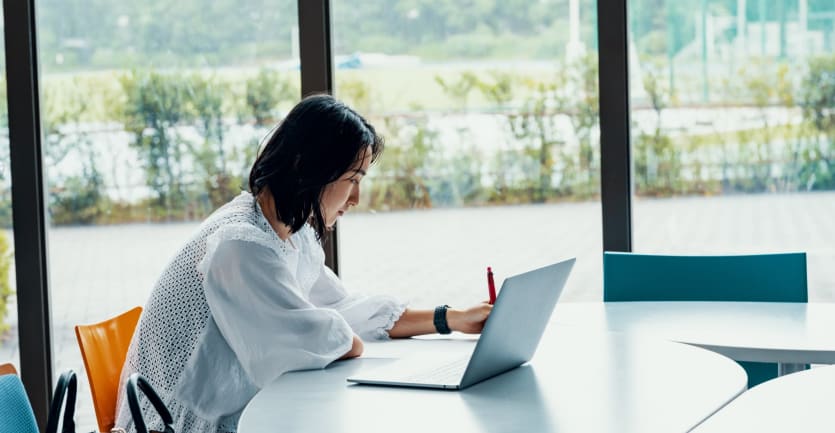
<point x="371" y="317"/>
<point x="255" y="301"/>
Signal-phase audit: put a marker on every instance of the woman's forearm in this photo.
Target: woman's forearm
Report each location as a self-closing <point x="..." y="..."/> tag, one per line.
<point x="421" y="322"/>
<point x="414" y="322"/>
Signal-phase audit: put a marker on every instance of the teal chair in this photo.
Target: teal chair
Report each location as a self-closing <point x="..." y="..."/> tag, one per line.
<point x="741" y="278"/>
<point x="16" y="414"/>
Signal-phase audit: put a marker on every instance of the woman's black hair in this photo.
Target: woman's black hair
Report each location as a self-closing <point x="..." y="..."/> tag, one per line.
<point x="318" y="141"/>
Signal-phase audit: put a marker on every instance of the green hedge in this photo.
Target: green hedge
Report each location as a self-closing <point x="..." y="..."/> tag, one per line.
<point x="178" y="123"/>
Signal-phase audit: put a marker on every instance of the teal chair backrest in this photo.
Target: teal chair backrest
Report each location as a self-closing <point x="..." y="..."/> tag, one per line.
<point x="744" y="278"/>
<point x="740" y="278"/>
<point x="15" y="412"/>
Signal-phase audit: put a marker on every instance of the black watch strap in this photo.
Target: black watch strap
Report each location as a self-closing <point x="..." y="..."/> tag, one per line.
<point x="441" y="324"/>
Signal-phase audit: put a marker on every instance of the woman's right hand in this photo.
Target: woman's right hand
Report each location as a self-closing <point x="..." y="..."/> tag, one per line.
<point x="471" y="320"/>
<point x="356" y="349"/>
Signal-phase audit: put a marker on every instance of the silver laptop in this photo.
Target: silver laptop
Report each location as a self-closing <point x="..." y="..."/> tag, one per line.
<point x="508" y="340"/>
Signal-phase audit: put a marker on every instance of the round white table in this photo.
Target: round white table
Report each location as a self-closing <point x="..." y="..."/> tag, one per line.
<point x="800" y="402"/>
<point x="577" y="382"/>
<point x="791" y="334"/>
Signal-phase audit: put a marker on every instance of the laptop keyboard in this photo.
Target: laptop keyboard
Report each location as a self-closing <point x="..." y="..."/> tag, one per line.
<point x="451" y="372"/>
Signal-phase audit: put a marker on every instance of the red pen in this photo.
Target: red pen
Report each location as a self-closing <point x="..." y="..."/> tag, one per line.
<point x="491" y="286"/>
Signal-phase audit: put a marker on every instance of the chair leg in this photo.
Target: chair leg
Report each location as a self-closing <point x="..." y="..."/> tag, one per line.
<point x="784" y="369"/>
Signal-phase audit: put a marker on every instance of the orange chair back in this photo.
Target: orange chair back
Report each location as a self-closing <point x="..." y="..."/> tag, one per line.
<point x="104" y="347"/>
<point x="7" y="369"/>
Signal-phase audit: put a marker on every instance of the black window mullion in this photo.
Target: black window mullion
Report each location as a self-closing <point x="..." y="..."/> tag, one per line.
<point x="315" y="46"/>
<point x="317" y="76"/>
<point x="28" y="195"/>
<point x="615" y="153"/>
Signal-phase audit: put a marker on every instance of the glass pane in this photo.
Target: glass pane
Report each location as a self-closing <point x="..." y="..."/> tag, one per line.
<point x="490" y="114"/>
<point x="9" y="351"/>
<point x="152" y="114"/>
<point x="733" y="129"/>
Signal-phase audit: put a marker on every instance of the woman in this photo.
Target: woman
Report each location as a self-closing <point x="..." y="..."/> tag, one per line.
<point x="249" y="298"/>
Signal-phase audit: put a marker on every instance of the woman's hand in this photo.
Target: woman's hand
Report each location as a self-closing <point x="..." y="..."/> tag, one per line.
<point x="471" y="320"/>
<point x="356" y="349"/>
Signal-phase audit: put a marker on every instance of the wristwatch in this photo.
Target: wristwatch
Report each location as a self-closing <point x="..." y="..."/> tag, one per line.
<point x="441" y="324"/>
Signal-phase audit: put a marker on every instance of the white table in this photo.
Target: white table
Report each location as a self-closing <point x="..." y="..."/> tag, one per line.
<point x="577" y="382"/>
<point x="801" y="402"/>
<point x="791" y="334"/>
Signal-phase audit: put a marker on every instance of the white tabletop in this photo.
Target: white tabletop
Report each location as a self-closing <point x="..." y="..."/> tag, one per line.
<point x="799" y="402"/>
<point x="790" y="333"/>
<point x="577" y="382"/>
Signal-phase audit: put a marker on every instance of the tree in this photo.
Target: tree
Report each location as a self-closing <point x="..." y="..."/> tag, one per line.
<point x="401" y="178"/>
<point x="206" y="101"/>
<point x="578" y="96"/>
<point x="818" y="97"/>
<point x="75" y="197"/>
<point x="156" y="104"/>
<point x="264" y="93"/>
<point x="657" y="162"/>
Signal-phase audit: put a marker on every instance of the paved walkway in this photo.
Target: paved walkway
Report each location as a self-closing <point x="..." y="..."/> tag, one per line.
<point x="439" y="256"/>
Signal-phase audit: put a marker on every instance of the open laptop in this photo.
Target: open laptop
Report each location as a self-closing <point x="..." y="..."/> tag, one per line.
<point x="508" y="340"/>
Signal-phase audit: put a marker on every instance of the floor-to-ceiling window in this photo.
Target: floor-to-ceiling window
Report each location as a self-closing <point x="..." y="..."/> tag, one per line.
<point x="490" y="113"/>
<point x="152" y="113"/>
<point x="8" y="301"/>
<point x="733" y="134"/>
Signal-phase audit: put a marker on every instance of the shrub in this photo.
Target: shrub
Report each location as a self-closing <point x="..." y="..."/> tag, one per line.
<point x="264" y="93"/>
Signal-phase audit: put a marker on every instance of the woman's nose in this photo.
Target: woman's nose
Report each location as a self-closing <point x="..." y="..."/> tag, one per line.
<point x="354" y="198"/>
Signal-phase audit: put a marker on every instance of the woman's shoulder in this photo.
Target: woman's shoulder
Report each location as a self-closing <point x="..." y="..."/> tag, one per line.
<point x="241" y="231"/>
<point x="243" y="204"/>
<point x="240" y="220"/>
<point x="240" y="211"/>
<point x="235" y="237"/>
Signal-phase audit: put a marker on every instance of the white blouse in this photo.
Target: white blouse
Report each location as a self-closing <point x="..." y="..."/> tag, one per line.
<point x="236" y="308"/>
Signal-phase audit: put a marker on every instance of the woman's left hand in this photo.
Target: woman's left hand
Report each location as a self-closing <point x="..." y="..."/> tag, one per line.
<point x="471" y="320"/>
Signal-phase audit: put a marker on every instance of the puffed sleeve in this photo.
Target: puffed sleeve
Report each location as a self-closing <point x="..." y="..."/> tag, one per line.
<point x="371" y="317"/>
<point x="255" y="300"/>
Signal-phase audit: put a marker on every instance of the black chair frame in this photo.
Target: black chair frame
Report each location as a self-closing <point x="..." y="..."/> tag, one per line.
<point x="137" y="383"/>
<point x="67" y="387"/>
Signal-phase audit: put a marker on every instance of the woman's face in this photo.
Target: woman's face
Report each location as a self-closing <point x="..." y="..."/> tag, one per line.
<point x="343" y="193"/>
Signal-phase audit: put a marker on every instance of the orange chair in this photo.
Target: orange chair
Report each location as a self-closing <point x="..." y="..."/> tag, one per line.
<point x="7" y="369"/>
<point x="104" y="347"/>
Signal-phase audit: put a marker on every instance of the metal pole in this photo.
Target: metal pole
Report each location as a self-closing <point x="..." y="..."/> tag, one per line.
<point x="803" y="19"/>
<point x="574" y="47"/>
<point x="672" y="42"/>
<point x="781" y="12"/>
<point x="741" y="28"/>
<point x="705" y="94"/>
<point x="762" y="27"/>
